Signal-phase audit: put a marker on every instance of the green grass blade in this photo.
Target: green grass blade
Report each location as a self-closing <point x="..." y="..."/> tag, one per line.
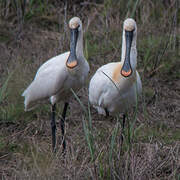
<point x="87" y="128"/>
<point x="81" y="104"/>
<point x="89" y="139"/>
<point x="114" y="134"/>
<point x="134" y="8"/>
<point x="3" y="89"/>
<point x="134" y="116"/>
<point x="89" y="117"/>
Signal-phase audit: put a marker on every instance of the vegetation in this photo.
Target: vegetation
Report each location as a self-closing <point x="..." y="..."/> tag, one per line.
<point x="33" y="31"/>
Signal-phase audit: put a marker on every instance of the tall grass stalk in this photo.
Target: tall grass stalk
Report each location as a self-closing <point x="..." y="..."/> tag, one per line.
<point x="131" y="128"/>
<point x="114" y="135"/>
<point x="87" y="126"/>
<point x="86" y="49"/>
<point x="134" y="116"/>
<point x="89" y="139"/>
<point x="80" y="102"/>
<point x="134" y="8"/>
<point x="131" y="8"/>
<point x="3" y="89"/>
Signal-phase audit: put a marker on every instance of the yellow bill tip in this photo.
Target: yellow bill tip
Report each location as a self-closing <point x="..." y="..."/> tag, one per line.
<point x="126" y="74"/>
<point x="72" y="64"/>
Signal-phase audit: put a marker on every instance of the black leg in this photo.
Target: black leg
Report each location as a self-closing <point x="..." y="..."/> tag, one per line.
<point x="107" y="112"/>
<point x="124" y="118"/>
<point x="62" y="125"/>
<point x="123" y="124"/>
<point x="53" y="127"/>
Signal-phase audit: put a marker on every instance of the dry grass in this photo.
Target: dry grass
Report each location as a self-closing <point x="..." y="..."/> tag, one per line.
<point x="25" y="138"/>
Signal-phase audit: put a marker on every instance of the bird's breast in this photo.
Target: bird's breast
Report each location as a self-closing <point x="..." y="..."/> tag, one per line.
<point x="116" y="75"/>
<point x="120" y="80"/>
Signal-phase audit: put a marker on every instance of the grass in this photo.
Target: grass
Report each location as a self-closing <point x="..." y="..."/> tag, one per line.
<point x="3" y="90"/>
<point x="152" y="140"/>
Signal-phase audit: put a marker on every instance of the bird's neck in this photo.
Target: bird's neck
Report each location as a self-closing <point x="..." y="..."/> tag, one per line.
<point x="79" y="46"/>
<point x="133" y="52"/>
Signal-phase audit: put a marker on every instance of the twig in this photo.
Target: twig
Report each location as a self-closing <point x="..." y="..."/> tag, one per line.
<point x="90" y="3"/>
<point x="90" y="19"/>
<point x="154" y="71"/>
<point x="4" y="156"/>
<point x="160" y="55"/>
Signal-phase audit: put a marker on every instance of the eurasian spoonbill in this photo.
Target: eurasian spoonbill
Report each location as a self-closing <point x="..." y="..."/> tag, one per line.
<point x="55" y="78"/>
<point x="115" y="86"/>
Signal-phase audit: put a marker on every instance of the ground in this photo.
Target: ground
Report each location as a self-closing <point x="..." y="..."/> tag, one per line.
<point x="151" y="148"/>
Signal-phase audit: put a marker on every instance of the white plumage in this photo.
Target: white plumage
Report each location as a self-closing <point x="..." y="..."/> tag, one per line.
<point x="114" y="89"/>
<point x="55" y="78"/>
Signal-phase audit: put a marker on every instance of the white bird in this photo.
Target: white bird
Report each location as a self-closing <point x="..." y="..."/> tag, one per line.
<point x="57" y="76"/>
<point x="114" y="87"/>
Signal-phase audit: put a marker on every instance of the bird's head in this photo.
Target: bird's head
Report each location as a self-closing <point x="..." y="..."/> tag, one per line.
<point x="129" y="33"/>
<point x="75" y="26"/>
<point x="75" y="23"/>
<point x="129" y="24"/>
